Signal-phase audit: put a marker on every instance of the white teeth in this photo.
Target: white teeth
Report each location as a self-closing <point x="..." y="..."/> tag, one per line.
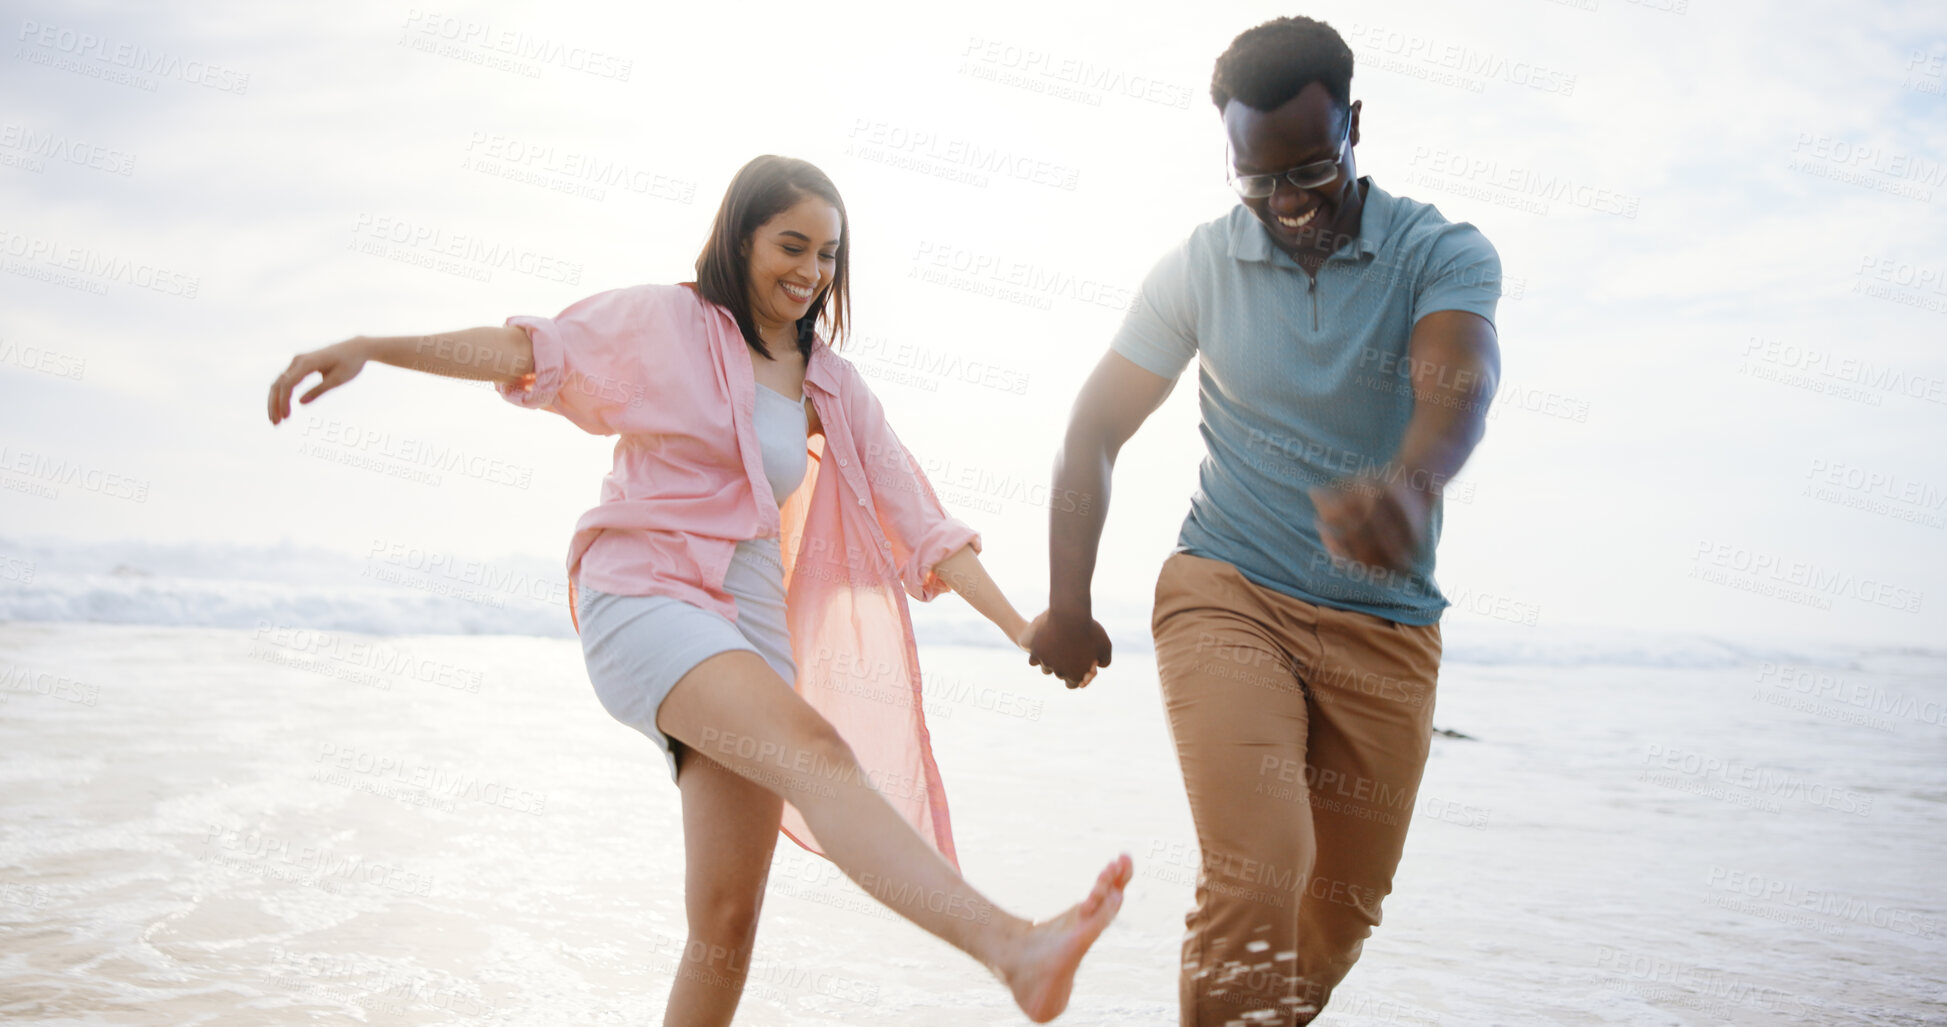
<point x="795" y="293"/>
<point x="1299" y="222"/>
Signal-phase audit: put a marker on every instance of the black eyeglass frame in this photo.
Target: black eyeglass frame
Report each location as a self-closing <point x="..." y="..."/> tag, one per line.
<point x="1314" y="175"/>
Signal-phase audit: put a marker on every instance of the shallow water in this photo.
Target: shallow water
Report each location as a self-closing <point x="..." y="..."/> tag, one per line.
<point x="217" y="826"/>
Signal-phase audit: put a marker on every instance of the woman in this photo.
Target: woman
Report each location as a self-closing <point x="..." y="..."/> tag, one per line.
<point x="765" y="680"/>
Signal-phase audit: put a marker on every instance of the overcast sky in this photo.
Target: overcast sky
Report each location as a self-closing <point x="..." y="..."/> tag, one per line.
<point x="1725" y="380"/>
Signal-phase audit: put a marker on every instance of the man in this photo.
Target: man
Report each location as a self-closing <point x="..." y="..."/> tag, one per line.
<point x="1346" y="356"/>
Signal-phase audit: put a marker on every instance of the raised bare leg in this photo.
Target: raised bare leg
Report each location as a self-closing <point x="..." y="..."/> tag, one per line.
<point x="734" y="709"/>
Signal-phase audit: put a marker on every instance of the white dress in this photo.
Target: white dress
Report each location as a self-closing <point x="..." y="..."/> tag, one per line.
<point x="638" y="647"/>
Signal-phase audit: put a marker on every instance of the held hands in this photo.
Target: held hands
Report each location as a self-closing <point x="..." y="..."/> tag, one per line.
<point x="338" y="363"/>
<point x="1376" y="523"/>
<point x="1070" y="647"/>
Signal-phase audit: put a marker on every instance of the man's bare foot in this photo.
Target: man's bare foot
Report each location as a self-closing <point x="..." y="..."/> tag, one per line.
<point x="1041" y="969"/>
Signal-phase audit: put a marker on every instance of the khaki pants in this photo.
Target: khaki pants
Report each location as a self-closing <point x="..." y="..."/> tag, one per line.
<point x="1302" y="731"/>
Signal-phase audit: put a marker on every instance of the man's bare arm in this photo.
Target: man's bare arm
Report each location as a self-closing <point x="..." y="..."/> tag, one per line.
<point x="1117" y="398"/>
<point x="1455" y="362"/>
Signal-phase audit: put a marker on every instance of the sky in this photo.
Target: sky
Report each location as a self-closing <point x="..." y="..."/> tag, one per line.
<point x="1724" y="380"/>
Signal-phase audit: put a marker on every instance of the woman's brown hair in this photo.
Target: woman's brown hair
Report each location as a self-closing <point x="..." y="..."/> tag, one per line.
<point x="761" y="190"/>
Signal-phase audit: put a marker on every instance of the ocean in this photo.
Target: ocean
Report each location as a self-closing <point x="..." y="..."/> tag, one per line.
<point x="325" y="790"/>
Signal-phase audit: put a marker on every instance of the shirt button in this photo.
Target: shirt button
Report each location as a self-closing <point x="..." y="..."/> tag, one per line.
<point x="842" y="462"/>
<point x="861" y="500"/>
<point x="885" y="545"/>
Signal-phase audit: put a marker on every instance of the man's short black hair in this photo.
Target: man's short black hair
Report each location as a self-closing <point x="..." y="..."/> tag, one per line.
<point x="1267" y="65"/>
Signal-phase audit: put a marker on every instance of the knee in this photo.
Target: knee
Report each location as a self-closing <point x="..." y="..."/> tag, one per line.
<point x="725" y="918"/>
<point x="820" y="748"/>
<point x="1268" y="877"/>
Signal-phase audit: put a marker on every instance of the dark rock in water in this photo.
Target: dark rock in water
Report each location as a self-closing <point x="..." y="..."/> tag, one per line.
<point x="1449" y="733"/>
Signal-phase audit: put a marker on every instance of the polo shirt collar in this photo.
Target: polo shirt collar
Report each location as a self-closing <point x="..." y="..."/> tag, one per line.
<point x="1250" y="240"/>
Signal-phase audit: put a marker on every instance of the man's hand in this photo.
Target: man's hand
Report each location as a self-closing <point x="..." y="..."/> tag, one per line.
<point x="1376" y="523"/>
<point x="1071" y="648"/>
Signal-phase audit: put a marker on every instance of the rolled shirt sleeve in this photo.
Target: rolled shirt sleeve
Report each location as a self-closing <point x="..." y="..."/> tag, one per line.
<point x="588" y="365"/>
<point x="919" y="530"/>
<point x="1463" y="272"/>
<point x="1159" y="333"/>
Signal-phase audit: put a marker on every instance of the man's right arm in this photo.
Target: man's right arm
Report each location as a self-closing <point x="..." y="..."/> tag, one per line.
<point x="1117" y="398"/>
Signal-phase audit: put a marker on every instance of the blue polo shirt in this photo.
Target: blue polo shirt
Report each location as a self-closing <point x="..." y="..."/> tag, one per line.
<point x="1302" y="382"/>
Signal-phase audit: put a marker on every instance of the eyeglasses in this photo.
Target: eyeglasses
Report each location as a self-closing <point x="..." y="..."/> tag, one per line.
<point x="1305" y="176"/>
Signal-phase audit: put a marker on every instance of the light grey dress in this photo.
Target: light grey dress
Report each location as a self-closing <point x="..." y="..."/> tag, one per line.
<point x="638" y="647"/>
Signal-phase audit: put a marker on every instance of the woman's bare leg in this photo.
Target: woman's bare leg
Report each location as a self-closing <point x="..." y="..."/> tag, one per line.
<point x="734" y="709"/>
<point x="729" y="830"/>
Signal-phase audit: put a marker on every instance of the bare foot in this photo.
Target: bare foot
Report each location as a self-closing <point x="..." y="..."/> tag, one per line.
<point x="1041" y="970"/>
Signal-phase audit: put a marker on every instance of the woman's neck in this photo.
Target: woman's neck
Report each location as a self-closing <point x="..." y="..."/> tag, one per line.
<point x="777" y="337"/>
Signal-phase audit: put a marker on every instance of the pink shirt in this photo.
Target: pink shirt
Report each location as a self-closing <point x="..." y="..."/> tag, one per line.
<point x="670" y="374"/>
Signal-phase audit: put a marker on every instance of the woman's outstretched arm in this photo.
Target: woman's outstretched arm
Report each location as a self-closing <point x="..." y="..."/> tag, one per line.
<point x="501" y="353"/>
<point x="964" y="573"/>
